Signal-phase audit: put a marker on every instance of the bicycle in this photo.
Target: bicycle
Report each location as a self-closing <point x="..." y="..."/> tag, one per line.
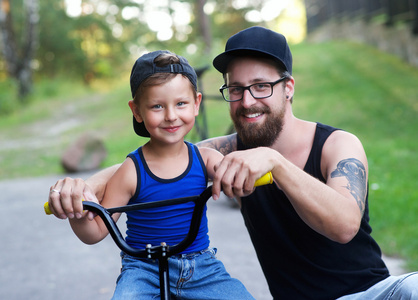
<point x="163" y="251"/>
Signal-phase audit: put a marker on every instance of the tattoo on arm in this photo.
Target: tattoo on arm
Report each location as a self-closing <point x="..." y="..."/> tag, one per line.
<point x="355" y="172"/>
<point x="225" y="144"/>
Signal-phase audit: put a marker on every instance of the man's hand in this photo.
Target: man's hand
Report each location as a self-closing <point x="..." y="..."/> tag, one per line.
<point x="66" y="196"/>
<point x="239" y="170"/>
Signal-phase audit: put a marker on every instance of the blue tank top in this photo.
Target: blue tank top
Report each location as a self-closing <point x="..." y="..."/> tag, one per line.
<point x="171" y="223"/>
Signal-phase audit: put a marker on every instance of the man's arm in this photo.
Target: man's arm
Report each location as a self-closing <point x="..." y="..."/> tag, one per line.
<point x="333" y="209"/>
<point x="224" y="144"/>
<point x="98" y="181"/>
<point x="68" y="202"/>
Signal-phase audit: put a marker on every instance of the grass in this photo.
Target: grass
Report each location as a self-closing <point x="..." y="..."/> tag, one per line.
<point x="350" y="86"/>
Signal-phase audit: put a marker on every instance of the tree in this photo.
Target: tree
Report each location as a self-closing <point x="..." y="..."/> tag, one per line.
<point x="17" y="57"/>
<point x="204" y="26"/>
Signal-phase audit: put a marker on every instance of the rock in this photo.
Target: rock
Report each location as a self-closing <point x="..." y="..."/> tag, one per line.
<point x="85" y="154"/>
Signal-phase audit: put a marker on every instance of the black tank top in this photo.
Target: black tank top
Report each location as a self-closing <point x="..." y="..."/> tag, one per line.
<point x="298" y="262"/>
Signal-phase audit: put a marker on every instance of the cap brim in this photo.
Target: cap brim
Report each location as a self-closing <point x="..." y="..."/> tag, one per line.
<point x="222" y="61"/>
<point x="140" y="129"/>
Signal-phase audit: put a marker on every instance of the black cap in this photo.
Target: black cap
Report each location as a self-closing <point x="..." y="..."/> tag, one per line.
<point x="255" y="41"/>
<point x="144" y="67"/>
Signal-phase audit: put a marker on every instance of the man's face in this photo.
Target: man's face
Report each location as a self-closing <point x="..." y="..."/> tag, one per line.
<point x="258" y="121"/>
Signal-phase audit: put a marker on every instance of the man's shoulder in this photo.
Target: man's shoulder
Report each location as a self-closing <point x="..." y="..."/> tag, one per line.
<point x="335" y="133"/>
<point x="342" y="144"/>
<point x="345" y="139"/>
<point x="325" y="127"/>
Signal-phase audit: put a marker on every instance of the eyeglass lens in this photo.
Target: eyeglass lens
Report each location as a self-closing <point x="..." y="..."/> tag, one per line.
<point x="258" y="90"/>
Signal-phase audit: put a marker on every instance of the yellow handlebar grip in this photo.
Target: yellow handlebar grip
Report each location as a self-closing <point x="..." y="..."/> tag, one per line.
<point x="47" y="209"/>
<point x="265" y="179"/>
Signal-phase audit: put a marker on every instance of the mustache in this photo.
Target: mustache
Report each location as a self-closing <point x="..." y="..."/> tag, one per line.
<point x="252" y="110"/>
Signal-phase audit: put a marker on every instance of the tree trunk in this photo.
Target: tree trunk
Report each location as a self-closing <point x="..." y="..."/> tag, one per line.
<point x="204" y="25"/>
<point x="7" y="37"/>
<point x="18" y="61"/>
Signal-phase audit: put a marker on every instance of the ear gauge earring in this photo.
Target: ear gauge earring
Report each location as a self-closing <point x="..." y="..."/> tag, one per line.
<point x="287" y="97"/>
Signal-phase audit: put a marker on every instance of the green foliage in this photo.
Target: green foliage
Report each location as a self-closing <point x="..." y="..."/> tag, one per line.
<point x="82" y="47"/>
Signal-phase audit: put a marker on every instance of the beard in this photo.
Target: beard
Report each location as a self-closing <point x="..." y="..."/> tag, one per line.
<point x="259" y="134"/>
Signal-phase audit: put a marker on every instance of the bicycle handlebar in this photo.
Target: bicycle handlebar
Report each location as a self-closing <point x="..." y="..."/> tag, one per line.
<point x="152" y="251"/>
<point x="162" y="250"/>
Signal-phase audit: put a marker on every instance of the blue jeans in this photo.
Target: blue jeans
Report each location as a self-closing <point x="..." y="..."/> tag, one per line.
<point x="198" y="275"/>
<point x="403" y="287"/>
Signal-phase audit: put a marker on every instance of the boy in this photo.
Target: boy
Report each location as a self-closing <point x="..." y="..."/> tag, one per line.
<point x="164" y="106"/>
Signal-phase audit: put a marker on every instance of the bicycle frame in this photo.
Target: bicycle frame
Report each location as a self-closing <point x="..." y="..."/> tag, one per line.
<point x="163" y="251"/>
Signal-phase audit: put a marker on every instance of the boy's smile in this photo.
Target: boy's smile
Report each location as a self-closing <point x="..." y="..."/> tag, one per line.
<point x="172" y="129"/>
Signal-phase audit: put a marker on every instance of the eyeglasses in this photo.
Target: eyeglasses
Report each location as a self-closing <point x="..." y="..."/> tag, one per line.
<point x="258" y="90"/>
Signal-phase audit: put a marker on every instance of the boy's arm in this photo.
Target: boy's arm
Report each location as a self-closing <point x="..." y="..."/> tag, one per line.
<point x="211" y="157"/>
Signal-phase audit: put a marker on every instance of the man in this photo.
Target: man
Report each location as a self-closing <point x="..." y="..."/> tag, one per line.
<point x="310" y="229"/>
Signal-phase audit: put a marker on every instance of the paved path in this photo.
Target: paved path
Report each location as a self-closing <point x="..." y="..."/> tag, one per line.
<point x="40" y="258"/>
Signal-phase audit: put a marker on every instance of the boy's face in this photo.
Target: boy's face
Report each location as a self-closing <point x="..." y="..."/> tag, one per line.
<point x="168" y="110"/>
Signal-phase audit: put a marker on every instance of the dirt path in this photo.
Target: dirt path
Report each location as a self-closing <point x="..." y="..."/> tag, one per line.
<point x="44" y="132"/>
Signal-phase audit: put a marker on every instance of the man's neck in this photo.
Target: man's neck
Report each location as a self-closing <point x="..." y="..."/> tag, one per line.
<point x="295" y="140"/>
